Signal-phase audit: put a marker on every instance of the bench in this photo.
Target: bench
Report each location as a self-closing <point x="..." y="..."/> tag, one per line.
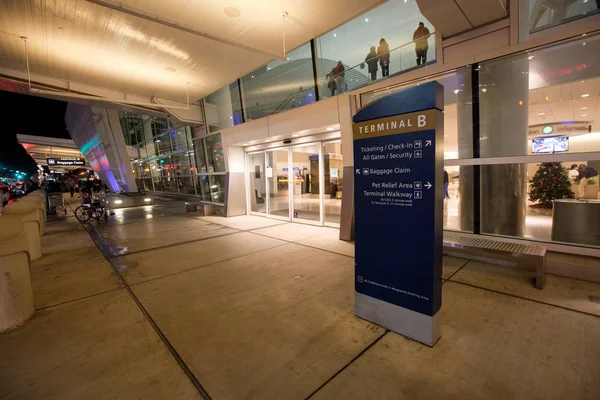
<point x="532" y="257"/>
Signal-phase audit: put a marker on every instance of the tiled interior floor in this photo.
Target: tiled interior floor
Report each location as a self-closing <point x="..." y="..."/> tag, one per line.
<point x="254" y="308"/>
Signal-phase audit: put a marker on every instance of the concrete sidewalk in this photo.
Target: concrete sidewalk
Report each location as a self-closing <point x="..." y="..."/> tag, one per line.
<point x="253" y="308"/>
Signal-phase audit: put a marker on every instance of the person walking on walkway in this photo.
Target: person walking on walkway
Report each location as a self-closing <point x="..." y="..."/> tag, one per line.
<point x="340" y="79"/>
<point x="371" y="61"/>
<point x="421" y="45"/>
<point x="383" y="51"/>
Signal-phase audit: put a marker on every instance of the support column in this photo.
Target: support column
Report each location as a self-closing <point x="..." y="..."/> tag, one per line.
<point x="503" y="132"/>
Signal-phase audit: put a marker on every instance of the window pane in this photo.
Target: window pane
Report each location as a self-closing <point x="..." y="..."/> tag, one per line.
<point x="520" y="200"/>
<point x="357" y="43"/>
<point x="333" y="164"/>
<point x="214" y="152"/>
<point x="200" y="156"/>
<point x="223" y="108"/>
<point x="217" y="188"/>
<point x="458" y="207"/>
<point x="458" y="110"/>
<point x="186" y="184"/>
<point x="538" y="15"/>
<point x="280" y="85"/>
<point x="547" y="93"/>
<point x="203" y="187"/>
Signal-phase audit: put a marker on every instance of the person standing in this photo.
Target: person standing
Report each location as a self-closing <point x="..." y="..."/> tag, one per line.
<point x="446" y="183"/>
<point x="340" y="79"/>
<point x="331" y="81"/>
<point x="573" y="173"/>
<point x="585" y="173"/>
<point x="421" y="45"/>
<point x="383" y="51"/>
<point x="371" y="61"/>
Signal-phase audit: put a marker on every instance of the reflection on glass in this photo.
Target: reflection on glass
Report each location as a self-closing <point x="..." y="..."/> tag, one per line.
<point x="333" y="166"/>
<point x="545" y="14"/>
<point x="374" y="46"/>
<point x="203" y="187"/>
<point x="280" y="85"/>
<point x="217" y="188"/>
<point x="278" y="178"/>
<point x="458" y="208"/>
<point x="305" y="180"/>
<point x="257" y="182"/>
<point x="458" y="110"/>
<point x="223" y="108"/>
<point x="214" y="153"/>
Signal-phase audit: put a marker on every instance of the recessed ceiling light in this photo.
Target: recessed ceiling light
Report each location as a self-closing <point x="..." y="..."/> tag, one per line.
<point x="330" y="129"/>
<point x="484" y="90"/>
<point x="335" y="35"/>
<point x="366" y="19"/>
<point x="232" y="12"/>
<point x="252" y="76"/>
<point x="585" y="95"/>
<point x="456" y="91"/>
<point x="245" y="144"/>
<point x="268" y="140"/>
<point x="584" y="108"/>
<point x="287" y="58"/>
<point x="584" y="115"/>
<point x="531" y="57"/>
<point x="295" y="135"/>
<point x="170" y="69"/>
<point x="547" y="98"/>
<point x="542" y="113"/>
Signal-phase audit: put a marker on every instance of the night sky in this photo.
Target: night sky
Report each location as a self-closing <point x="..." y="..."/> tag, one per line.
<point x="29" y="115"/>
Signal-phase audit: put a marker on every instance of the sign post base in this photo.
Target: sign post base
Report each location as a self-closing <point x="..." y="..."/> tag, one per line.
<point x="420" y="327"/>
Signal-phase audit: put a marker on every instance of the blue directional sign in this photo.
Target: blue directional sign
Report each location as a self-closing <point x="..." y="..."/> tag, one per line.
<point x="398" y="165"/>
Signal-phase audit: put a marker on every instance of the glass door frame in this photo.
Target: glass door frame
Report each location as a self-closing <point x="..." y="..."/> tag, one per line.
<point x="321" y="184"/>
<point x="291" y="186"/>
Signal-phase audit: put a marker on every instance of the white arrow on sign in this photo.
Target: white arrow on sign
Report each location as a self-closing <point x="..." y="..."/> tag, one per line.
<point x="428" y="185"/>
<point x="428" y="143"/>
<point x="357" y="171"/>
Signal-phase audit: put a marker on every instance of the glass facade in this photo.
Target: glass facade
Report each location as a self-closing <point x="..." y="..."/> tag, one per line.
<point x="534" y="139"/>
<point x="332" y="64"/>
<point x="374" y="46"/>
<point x="538" y="15"/>
<point x="223" y="108"/>
<point x="164" y="158"/>
<point x="280" y="85"/>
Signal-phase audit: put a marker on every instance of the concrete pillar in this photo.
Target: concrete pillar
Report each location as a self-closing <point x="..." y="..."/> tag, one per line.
<point x="16" y="295"/>
<point x="28" y="212"/>
<point x="503" y="132"/>
<point x="39" y="202"/>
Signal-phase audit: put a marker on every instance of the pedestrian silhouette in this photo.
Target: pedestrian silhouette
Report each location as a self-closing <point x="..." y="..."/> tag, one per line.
<point x="421" y="45"/>
<point x="371" y="60"/>
<point x="383" y="51"/>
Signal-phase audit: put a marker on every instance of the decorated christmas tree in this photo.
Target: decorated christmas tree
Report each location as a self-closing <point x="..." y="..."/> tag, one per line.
<point x="551" y="182"/>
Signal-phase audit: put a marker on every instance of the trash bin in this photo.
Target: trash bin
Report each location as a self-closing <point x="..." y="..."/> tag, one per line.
<point x="44" y="196"/>
<point x="16" y="295"/>
<point x="39" y="201"/>
<point x="30" y="215"/>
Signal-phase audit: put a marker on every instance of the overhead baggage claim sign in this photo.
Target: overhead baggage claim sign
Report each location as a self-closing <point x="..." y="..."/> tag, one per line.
<point x="398" y="163"/>
<point x="66" y="161"/>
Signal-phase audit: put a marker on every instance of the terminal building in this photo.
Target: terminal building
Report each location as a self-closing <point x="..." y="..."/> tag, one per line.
<point x="297" y="278"/>
<point x="521" y="86"/>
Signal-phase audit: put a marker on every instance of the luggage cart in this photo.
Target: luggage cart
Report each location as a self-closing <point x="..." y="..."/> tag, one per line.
<point x="56" y="203"/>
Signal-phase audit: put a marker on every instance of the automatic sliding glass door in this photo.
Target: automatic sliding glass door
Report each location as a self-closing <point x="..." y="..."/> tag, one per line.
<point x="306" y="167"/>
<point x="257" y="183"/>
<point x="278" y="183"/>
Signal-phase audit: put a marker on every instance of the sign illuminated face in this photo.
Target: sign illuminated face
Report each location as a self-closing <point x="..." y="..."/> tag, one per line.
<point x="547" y="130"/>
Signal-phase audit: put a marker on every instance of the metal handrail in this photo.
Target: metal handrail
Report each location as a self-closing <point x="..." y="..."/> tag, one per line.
<point x="388" y="52"/>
